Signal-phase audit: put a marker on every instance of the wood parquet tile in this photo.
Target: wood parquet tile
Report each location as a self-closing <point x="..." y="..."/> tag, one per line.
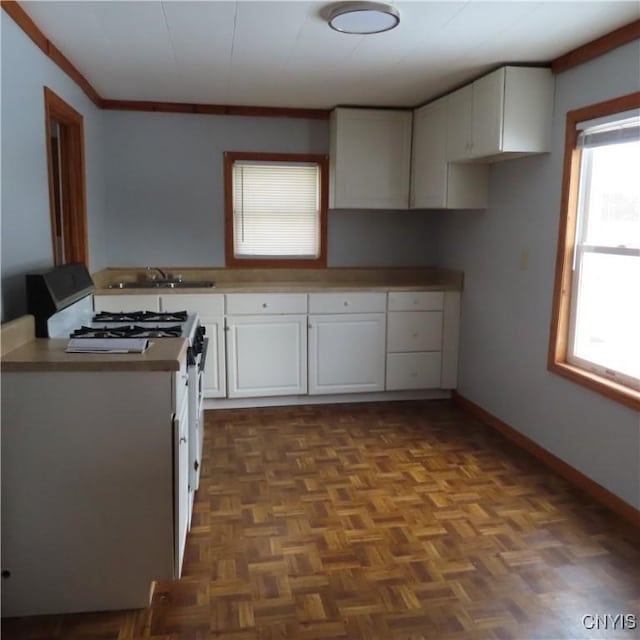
<point x="387" y="521"/>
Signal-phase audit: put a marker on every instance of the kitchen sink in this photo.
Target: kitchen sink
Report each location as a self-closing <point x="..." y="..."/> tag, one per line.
<point x="164" y="284"/>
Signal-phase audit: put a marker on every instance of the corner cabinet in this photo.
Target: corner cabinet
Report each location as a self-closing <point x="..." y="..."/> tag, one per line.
<point x="346" y="342"/>
<point x="505" y="114"/>
<point x="266" y="345"/>
<point x="370" y="158"/>
<point x="435" y="182"/>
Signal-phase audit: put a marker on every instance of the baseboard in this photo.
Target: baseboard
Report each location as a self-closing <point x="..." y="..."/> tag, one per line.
<point x="335" y="398"/>
<point x="575" y="477"/>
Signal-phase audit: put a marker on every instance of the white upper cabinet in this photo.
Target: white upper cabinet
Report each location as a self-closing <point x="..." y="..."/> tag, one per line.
<point x="506" y="113"/>
<point x="458" y="123"/>
<point x="370" y="158"/>
<point x="436" y="183"/>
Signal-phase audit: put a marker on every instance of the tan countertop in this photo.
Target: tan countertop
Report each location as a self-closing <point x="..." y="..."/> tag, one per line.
<point x="289" y="280"/>
<point x="43" y="354"/>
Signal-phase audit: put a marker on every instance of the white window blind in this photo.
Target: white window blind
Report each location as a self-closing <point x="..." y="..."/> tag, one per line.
<point x="276" y="209"/>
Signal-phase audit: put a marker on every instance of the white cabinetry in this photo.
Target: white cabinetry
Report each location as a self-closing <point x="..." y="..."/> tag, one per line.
<point x="127" y="302"/>
<point x="210" y="308"/>
<point x="346" y="342"/>
<point x="435" y="182"/>
<point x="414" y="340"/>
<point x="266" y="344"/>
<point x="90" y="482"/>
<point x="506" y="113"/>
<point x="370" y="158"/>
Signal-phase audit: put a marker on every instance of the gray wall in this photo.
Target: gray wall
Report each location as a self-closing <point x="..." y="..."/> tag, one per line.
<point x="165" y="197"/>
<point x="25" y="219"/>
<point x="506" y="309"/>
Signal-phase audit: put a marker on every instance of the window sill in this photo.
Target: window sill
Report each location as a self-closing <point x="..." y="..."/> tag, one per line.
<point x="615" y="391"/>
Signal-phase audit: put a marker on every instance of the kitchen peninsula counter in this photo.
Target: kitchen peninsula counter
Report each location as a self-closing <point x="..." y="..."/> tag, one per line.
<point x="288" y="280"/>
<point x="28" y="353"/>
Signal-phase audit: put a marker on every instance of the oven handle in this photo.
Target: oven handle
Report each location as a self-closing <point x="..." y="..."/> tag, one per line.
<point x="203" y="354"/>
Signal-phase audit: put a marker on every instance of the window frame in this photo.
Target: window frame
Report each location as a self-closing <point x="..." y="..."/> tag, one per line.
<point x="563" y="296"/>
<point x="230" y="157"/>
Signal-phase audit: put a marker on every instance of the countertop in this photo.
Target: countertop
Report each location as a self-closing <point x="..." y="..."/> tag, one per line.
<point x="288" y="280"/>
<point x="43" y="354"/>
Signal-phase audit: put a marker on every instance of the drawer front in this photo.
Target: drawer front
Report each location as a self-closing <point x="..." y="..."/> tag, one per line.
<point x="204" y="304"/>
<point x="267" y="303"/>
<point x="416" y="300"/>
<point x="414" y="331"/>
<point x="413" y="371"/>
<point x="348" y="302"/>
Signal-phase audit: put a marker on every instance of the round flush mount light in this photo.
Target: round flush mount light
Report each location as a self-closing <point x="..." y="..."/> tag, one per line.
<point x="363" y="17"/>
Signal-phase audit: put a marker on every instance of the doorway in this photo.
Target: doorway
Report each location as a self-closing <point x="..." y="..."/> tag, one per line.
<point x="67" y="194"/>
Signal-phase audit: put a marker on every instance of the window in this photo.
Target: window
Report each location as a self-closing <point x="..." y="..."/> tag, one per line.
<point x="595" y="333"/>
<point x="275" y="209"/>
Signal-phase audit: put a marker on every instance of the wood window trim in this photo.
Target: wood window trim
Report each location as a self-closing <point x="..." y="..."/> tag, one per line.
<point x="230" y="260"/>
<point x="558" y="339"/>
<point x="73" y="180"/>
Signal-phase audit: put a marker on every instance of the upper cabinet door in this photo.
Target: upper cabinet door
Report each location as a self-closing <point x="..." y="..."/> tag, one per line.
<point x="459" y="108"/>
<point x="429" y="157"/>
<point x="370" y="158"/>
<point x="487" y="115"/>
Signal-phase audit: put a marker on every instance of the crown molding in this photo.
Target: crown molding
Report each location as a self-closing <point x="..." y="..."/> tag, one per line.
<point x="597" y="47"/>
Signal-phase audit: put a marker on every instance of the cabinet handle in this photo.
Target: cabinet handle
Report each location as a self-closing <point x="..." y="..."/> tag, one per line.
<point x="264" y="305"/>
<point x="346" y="304"/>
<point x="183" y="440"/>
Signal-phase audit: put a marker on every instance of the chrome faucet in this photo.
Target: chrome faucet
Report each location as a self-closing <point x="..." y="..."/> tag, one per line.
<point x="159" y="270"/>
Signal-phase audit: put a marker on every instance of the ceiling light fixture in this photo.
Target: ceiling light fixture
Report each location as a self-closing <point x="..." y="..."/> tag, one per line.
<point x="363" y="17"/>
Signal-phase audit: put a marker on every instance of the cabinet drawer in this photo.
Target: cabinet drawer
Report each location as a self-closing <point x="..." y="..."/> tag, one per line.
<point x="416" y="300"/>
<point x="413" y="371"/>
<point x="268" y="303"/>
<point x="204" y="304"/>
<point x="348" y="302"/>
<point x="414" y="331"/>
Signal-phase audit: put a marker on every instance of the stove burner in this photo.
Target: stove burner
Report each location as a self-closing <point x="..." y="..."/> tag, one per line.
<point x="127" y="331"/>
<point x="140" y="316"/>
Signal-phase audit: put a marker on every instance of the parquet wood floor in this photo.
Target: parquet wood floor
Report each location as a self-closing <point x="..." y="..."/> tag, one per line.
<point x="387" y="521"/>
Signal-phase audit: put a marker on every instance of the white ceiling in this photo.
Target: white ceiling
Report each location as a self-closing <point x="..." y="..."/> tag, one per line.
<point x="283" y="54"/>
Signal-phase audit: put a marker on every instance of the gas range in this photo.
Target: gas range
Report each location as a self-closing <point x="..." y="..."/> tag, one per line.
<point x="61" y="301"/>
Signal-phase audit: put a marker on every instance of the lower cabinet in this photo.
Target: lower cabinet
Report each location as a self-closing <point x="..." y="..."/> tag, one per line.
<point x="346" y="353"/>
<point x="266" y="355"/>
<point x="346" y="342"/>
<point x="214" y="379"/>
<point x="414" y="340"/>
<point x="210" y="308"/>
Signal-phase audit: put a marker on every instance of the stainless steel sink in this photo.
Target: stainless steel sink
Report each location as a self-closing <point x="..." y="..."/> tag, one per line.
<point x="164" y="284"/>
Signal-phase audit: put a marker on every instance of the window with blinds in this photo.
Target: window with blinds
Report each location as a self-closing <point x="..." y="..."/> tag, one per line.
<point x="276" y="207"/>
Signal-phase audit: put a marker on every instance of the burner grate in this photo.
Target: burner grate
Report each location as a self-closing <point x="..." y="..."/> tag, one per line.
<point x="127" y="331"/>
<point x="140" y="316"/>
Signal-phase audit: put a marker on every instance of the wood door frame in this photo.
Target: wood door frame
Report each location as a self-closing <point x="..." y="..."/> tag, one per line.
<point x="73" y="181"/>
